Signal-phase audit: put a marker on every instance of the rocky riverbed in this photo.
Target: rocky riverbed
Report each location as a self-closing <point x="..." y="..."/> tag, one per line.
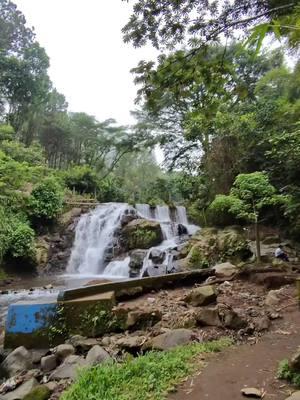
<point x="242" y="306"/>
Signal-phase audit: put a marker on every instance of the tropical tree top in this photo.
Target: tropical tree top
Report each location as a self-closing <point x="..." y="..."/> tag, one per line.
<point x="166" y="23"/>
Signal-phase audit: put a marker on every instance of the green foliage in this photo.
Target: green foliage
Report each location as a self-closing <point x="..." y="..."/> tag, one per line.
<point x="21" y="240"/>
<point x="83" y="179"/>
<point x="16" y="236"/>
<point x="285" y="372"/>
<point x="151" y="376"/>
<point x="46" y="200"/>
<point x="222" y="210"/>
<point x="250" y="193"/>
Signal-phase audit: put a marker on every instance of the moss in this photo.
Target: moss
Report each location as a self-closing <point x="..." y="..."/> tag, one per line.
<point x="38" y="393"/>
<point x="196" y="258"/>
<point x="142" y="234"/>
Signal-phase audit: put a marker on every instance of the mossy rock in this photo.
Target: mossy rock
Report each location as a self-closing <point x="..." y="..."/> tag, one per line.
<point x="38" y="393"/>
<point x="141" y="234"/>
<point x="211" y="246"/>
<point x="42" y="248"/>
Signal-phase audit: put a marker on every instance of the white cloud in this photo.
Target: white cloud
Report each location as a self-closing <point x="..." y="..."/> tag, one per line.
<point x="90" y="64"/>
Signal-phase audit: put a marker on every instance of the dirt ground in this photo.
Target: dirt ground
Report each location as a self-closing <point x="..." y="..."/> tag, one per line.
<point x="247" y="366"/>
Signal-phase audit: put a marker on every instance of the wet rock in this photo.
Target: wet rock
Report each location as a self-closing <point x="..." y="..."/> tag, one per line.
<point x="64" y="350"/>
<point x="40" y="392"/>
<point x="225" y="270"/>
<point x="69" y="368"/>
<point x="182" y="230"/>
<point x="48" y="363"/>
<point x="157" y="256"/>
<point x="201" y="296"/>
<point x="209" y="317"/>
<point x="52" y="386"/>
<point x="17" y="361"/>
<point x="136" y="262"/>
<point x="97" y="355"/>
<point x="252" y="392"/>
<point x="168" y="340"/>
<point x="22" y="391"/>
<point x="295" y="361"/>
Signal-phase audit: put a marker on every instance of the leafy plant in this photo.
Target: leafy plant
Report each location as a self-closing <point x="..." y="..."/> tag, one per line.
<point x="285" y="372"/>
<point x="46" y="200"/>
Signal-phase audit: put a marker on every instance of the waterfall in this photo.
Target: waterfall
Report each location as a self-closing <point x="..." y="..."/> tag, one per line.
<point x="181" y="217"/>
<point x="95" y="238"/>
<point x="94" y="234"/>
<point x="144" y="210"/>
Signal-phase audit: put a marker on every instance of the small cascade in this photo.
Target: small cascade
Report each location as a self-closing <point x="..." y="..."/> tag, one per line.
<point x="181" y="216"/>
<point x="94" y="233"/>
<point x="144" y="210"/>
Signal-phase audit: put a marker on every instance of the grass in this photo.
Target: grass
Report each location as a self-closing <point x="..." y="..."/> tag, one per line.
<point x="148" y="377"/>
<point x="285" y="372"/>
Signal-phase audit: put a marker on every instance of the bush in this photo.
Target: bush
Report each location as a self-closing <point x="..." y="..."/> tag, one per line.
<point x="46" y="200"/>
<point x="219" y="211"/>
<point x="16" y="236"/>
<point x="82" y="179"/>
<point x="20" y="240"/>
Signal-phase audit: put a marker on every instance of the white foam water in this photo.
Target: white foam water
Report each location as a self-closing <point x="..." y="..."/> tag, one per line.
<point x="94" y="233"/>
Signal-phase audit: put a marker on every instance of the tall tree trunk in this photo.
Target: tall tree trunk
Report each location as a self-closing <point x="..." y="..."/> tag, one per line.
<point x="257" y="240"/>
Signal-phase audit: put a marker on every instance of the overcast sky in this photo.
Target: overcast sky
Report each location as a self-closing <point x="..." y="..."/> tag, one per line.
<point x="90" y="64"/>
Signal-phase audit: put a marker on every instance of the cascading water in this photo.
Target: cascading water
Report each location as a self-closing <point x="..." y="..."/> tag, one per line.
<point x="95" y="235"/>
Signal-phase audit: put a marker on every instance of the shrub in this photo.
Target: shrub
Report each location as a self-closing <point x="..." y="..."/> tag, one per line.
<point x="46" y="200"/>
<point x="220" y="210"/>
<point x="20" y="240"/>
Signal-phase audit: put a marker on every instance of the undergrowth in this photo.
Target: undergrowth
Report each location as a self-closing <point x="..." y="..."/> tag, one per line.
<point x="285" y="372"/>
<point x="150" y="376"/>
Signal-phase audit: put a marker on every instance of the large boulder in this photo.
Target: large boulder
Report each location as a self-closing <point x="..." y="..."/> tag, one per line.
<point x="17" y="361"/>
<point x="294" y="396"/>
<point x="201" y="296"/>
<point x="168" y="340"/>
<point x="141" y="234"/>
<point x="211" y="246"/>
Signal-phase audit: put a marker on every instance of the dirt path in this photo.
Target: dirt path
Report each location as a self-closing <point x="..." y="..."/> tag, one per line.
<point x="247" y="366"/>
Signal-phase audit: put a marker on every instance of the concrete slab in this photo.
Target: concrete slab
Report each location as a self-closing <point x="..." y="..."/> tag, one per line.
<point x="28" y="323"/>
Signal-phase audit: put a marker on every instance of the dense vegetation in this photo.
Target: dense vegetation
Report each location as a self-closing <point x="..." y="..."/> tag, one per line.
<point x="216" y="102"/>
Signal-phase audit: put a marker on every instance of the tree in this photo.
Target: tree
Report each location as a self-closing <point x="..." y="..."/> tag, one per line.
<point x="248" y="197"/>
<point x="167" y="23"/>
